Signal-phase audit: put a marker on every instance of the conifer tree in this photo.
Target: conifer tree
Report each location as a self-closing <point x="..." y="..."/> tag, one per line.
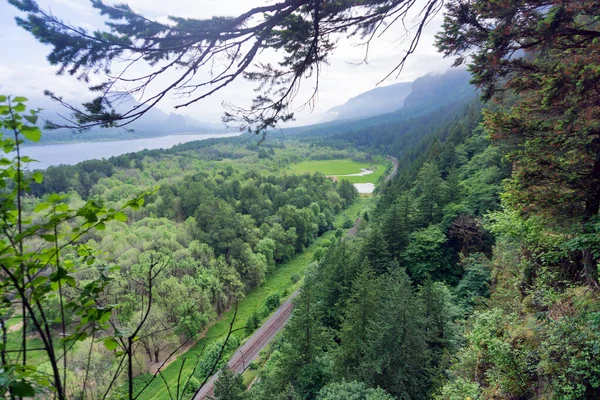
<point x="545" y="53"/>
<point x="229" y="386"/>
<point x="400" y="365"/>
<point x="305" y="339"/>
<point x="396" y="226"/>
<point x="352" y="358"/>
<point x="377" y="252"/>
<point x="431" y="192"/>
<point x="334" y="281"/>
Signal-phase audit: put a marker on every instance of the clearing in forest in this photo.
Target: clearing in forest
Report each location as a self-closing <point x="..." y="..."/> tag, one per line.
<point x="340" y="168"/>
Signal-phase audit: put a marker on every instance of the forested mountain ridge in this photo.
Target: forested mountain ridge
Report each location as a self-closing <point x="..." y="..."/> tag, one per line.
<point x="433" y="92"/>
<point x="377" y="101"/>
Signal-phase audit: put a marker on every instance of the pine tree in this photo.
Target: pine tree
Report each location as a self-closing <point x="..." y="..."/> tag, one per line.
<point x="377" y="252"/>
<point x="229" y="386"/>
<point x="360" y="322"/>
<point x="305" y="340"/>
<point x="396" y="225"/>
<point x="333" y="283"/>
<point x="552" y="124"/>
<point x="440" y="314"/>
<point x="430" y="190"/>
<point x="401" y="361"/>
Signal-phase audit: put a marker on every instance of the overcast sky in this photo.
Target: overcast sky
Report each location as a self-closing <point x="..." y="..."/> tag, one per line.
<point x="25" y="71"/>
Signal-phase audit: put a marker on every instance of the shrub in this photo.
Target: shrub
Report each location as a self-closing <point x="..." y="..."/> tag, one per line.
<point x="272" y="302"/>
<point x="252" y="323"/>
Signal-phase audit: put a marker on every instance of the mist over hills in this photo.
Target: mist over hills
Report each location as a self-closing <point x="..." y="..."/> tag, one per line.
<point x="423" y="92"/>
<point x="379" y="110"/>
<point x="378" y="101"/>
<point x="154" y="123"/>
<point x="428" y="93"/>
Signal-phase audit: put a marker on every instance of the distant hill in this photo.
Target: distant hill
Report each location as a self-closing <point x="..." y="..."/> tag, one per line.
<point x="381" y="100"/>
<point x="439" y="89"/>
<point x="154" y="123"/>
<point x="428" y="93"/>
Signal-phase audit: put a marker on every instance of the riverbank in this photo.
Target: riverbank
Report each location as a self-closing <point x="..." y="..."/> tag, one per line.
<point x="73" y="153"/>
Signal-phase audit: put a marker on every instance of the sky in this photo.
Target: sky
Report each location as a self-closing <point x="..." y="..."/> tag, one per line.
<point x="25" y="71"/>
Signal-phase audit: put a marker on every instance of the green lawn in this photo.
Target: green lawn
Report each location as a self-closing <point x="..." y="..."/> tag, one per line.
<point x="340" y="167"/>
<point x="278" y="281"/>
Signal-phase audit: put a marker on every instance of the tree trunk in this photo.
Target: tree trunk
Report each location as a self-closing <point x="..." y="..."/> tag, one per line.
<point x="592" y="206"/>
<point x="148" y="351"/>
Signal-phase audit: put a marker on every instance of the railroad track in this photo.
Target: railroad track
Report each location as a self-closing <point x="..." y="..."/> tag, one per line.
<point x="251" y="349"/>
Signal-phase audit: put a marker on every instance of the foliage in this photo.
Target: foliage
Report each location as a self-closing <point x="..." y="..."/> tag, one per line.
<point x="552" y="125"/>
<point x="229" y="386"/>
<point x="352" y="391"/>
<point x="43" y="261"/>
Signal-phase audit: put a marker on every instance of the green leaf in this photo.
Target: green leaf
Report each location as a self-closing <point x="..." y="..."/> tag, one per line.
<point x="31" y="118"/>
<point x="39" y="280"/>
<point x="120" y="216"/>
<point x="62" y="208"/>
<point x="22" y="389"/>
<point x="9" y="147"/>
<point x="31" y="133"/>
<point x="37" y="177"/>
<point x="20" y="107"/>
<point x="19" y="99"/>
<point x="105" y="317"/>
<point x="54" y="198"/>
<point x="70" y="281"/>
<point x="100" y="226"/>
<point x="48" y="238"/>
<point x="110" y="343"/>
<point x="41" y="207"/>
<point x="27" y="159"/>
<point x="2" y="99"/>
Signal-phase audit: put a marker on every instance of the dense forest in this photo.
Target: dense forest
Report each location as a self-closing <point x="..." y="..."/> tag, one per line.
<point x="470" y="273"/>
<point x="210" y="229"/>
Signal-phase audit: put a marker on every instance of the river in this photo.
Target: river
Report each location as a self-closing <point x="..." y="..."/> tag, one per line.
<point x="73" y="153"/>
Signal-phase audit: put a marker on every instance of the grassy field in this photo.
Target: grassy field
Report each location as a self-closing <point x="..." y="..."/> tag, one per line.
<point x="278" y="281"/>
<point x="340" y="167"/>
<point x="354" y="211"/>
<point x="34" y="357"/>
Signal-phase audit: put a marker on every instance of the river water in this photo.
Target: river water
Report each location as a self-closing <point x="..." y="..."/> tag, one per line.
<point x="73" y="153"/>
<point x="365" y="188"/>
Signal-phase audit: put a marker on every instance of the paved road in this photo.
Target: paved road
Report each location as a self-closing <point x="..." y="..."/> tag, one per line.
<point x="251" y="349"/>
